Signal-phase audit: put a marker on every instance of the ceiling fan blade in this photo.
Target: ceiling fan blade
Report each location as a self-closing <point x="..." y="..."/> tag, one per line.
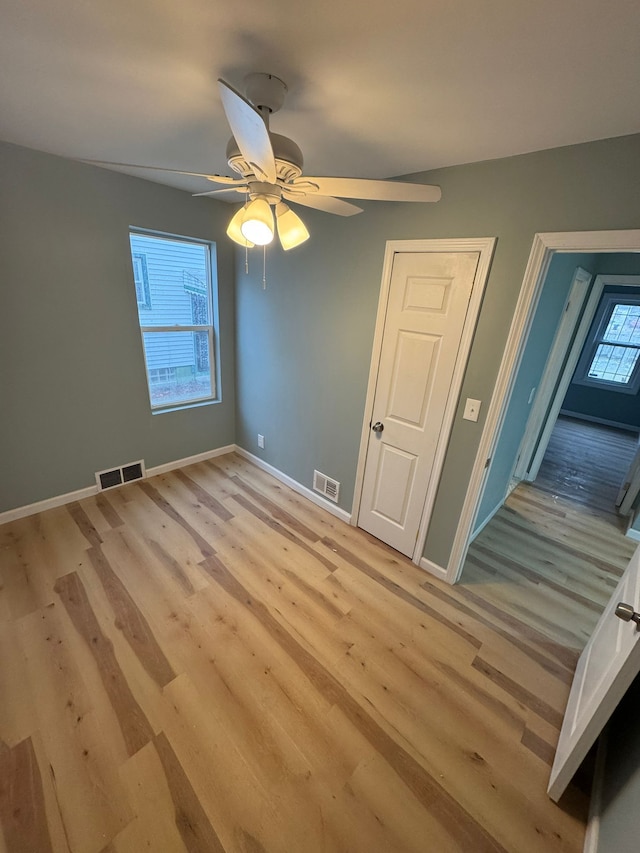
<point x="216" y="179"/>
<point x="220" y="191"/>
<point x="322" y="202"/>
<point x="375" y="190"/>
<point x="250" y="132"/>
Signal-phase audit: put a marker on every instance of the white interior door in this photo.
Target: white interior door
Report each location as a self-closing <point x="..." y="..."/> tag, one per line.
<point x="554" y="381"/>
<point x="426" y="310"/>
<point x="630" y="488"/>
<point x="606" y="668"/>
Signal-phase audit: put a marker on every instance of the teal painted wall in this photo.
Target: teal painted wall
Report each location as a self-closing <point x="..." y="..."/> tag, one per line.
<point x="614" y="406"/>
<point x="624" y="408"/>
<point x="304" y="344"/>
<point x="543" y="331"/>
<point x="73" y="396"/>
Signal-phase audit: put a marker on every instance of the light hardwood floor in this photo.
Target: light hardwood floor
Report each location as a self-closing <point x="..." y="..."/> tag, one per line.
<point x="205" y="661"/>
<point x="553" y="554"/>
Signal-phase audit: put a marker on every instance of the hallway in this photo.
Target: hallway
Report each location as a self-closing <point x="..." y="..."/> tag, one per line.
<point x="552" y="555"/>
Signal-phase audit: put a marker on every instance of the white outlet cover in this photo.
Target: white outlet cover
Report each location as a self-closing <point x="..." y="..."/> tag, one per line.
<point x="471" y="409"/>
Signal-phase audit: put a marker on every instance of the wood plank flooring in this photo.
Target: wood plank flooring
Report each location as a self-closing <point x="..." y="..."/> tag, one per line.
<point x="552" y="555"/>
<point x="205" y="661"/>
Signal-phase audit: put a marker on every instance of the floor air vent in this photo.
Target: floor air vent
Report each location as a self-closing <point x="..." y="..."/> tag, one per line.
<point x="118" y="476"/>
<point x="326" y="486"/>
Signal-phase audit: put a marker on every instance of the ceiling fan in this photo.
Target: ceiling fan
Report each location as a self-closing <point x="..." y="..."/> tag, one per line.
<point x="270" y="168"/>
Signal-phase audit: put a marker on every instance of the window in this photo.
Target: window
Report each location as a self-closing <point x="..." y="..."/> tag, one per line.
<point x="141" y="279"/>
<point x="611" y="356"/>
<point x="174" y="292"/>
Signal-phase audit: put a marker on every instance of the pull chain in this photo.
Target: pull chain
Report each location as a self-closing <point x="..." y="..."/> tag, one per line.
<point x="264" y="267"/>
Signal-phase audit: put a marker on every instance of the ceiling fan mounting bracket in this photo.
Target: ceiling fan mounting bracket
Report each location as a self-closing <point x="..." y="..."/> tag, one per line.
<point x="265" y="91"/>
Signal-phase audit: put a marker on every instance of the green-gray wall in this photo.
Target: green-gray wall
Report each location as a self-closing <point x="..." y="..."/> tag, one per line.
<point x="73" y="396"/>
<point x="304" y="344"/>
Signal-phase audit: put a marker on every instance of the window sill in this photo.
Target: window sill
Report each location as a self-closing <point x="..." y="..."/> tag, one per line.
<point x="180" y="407"/>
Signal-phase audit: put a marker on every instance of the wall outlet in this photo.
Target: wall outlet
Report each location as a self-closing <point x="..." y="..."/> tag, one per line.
<point x="471" y="410"/>
<point x="260" y="440"/>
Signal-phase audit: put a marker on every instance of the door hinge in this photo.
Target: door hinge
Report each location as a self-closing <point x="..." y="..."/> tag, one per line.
<point x="487" y="463"/>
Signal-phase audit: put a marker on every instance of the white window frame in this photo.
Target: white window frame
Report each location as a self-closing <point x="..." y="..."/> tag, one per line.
<point x="139" y="263"/>
<point x="596" y="337"/>
<point x="178" y="327"/>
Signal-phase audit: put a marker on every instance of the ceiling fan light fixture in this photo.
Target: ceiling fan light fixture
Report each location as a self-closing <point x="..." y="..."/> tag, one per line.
<point x="257" y="222"/>
<point x="291" y="229"/>
<point x="233" y="229"/>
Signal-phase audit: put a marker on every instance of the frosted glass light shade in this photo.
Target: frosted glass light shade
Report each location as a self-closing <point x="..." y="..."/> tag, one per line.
<point x="291" y="229"/>
<point x="257" y="222"/>
<point x="233" y="229"/>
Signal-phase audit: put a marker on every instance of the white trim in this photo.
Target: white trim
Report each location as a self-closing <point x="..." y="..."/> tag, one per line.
<point x="189" y="460"/>
<point x="485" y="247"/>
<point x="48" y="503"/>
<point x="632" y="533"/>
<point x="592" y="836"/>
<point x="88" y="491"/>
<point x="601" y="321"/>
<point x="593" y="419"/>
<point x="315" y="498"/>
<point x="433" y="568"/>
<point x="543" y="247"/>
<point x="545" y="397"/>
<point x="564" y="379"/>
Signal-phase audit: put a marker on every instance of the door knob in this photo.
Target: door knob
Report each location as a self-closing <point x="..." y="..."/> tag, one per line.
<point x="627" y="613"/>
<point x="377" y="427"/>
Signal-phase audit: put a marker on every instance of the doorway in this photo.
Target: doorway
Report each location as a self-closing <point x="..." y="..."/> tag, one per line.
<point x="546" y="247"/>
<point x="591" y="372"/>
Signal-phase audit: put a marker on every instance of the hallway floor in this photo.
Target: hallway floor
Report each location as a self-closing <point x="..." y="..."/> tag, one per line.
<point x="552" y="555"/>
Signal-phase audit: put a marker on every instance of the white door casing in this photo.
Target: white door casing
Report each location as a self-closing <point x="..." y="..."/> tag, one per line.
<point x="427" y="307"/>
<point x="607" y="666"/>
<point x="542" y="250"/>
<point x="551" y="382"/>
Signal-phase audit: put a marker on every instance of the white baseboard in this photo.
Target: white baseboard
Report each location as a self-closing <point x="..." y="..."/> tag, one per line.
<point x="342" y="514"/>
<point x="70" y="497"/>
<point x="49" y="503"/>
<point x="592" y="419"/>
<point x="189" y="460"/>
<point x="434" y="569"/>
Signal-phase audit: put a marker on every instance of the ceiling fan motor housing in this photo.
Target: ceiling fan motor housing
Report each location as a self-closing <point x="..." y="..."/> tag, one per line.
<point x="288" y="156"/>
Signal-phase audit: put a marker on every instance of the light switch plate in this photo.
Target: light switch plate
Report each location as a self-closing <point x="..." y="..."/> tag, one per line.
<point x="471" y="409"/>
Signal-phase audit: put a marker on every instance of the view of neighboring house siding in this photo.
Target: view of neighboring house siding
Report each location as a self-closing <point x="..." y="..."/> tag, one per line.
<point x="171" y="289"/>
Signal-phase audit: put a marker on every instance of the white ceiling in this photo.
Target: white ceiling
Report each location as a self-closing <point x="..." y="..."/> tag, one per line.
<point x="376" y="87"/>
